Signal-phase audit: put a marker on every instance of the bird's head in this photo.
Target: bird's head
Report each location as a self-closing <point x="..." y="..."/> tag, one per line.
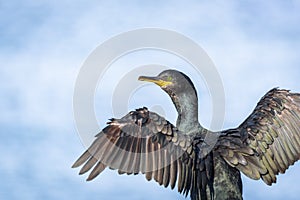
<point x="171" y="81"/>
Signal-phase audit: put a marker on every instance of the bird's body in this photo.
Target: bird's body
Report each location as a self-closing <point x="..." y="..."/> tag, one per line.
<point x="203" y="163"/>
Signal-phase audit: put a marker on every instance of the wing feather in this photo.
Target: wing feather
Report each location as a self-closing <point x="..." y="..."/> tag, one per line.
<point x="143" y="142"/>
<point x="271" y="132"/>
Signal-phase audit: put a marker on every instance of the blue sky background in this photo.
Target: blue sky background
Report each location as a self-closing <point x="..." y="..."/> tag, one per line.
<point x="254" y="44"/>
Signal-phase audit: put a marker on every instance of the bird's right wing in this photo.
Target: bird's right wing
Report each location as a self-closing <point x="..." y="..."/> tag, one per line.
<point x="268" y="141"/>
<point x="143" y="142"/>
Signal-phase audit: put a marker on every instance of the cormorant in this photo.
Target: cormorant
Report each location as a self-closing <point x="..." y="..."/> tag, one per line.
<point x="203" y="163"/>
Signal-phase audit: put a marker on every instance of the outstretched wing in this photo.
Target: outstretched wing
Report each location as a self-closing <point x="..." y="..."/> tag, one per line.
<point x="144" y="142"/>
<point x="268" y="141"/>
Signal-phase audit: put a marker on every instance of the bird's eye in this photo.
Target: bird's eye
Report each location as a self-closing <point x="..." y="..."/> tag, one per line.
<point x="169" y="78"/>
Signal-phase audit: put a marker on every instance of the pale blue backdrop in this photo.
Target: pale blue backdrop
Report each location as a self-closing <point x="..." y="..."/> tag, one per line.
<point x="254" y="44"/>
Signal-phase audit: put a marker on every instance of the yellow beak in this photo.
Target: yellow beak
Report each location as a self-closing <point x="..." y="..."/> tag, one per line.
<point x="155" y="80"/>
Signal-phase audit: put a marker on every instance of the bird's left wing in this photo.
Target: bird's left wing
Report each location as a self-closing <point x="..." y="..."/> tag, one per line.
<point x="268" y="141"/>
<point x="143" y="142"/>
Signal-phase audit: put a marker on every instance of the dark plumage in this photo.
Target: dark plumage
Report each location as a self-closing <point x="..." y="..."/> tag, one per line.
<point x="203" y="163"/>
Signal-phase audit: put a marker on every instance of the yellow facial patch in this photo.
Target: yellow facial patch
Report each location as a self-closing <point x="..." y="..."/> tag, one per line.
<point x="162" y="83"/>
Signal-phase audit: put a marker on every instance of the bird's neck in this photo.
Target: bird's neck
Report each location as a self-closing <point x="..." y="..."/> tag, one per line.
<point x="187" y="107"/>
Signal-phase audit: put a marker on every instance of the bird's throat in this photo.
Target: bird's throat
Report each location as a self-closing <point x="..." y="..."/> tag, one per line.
<point x="187" y="107"/>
